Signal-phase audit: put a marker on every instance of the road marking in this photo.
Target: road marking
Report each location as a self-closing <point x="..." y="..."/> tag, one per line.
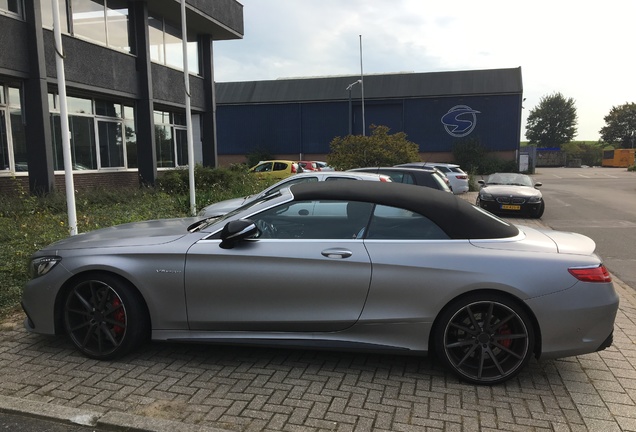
<point x="610" y="176"/>
<point x="615" y="223"/>
<point x="581" y="175"/>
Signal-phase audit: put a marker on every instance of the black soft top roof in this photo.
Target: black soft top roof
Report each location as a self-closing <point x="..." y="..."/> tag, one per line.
<point x="458" y="218"/>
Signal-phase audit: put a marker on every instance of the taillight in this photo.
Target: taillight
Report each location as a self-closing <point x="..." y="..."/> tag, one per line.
<point x="591" y="274"/>
<point x="293" y="170"/>
<point x="462" y="177"/>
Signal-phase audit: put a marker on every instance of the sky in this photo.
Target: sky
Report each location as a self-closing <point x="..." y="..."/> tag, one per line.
<point x="584" y="50"/>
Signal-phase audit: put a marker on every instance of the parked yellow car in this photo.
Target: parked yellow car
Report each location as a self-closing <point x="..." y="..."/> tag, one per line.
<point x="275" y="168"/>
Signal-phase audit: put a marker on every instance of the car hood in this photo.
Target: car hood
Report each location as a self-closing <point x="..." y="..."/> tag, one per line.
<point x="524" y="191"/>
<point x="535" y="240"/>
<point x="222" y="207"/>
<point x="145" y="233"/>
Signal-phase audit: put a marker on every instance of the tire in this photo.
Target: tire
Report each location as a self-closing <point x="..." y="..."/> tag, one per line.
<point x="484" y="338"/>
<point x="540" y="210"/>
<point x="105" y="316"/>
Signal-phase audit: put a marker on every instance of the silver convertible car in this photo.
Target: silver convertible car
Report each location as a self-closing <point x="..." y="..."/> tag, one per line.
<point x="344" y="265"/>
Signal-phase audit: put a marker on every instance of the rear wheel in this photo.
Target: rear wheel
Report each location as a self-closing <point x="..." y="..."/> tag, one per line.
<point x="104" y="316"/>
<point x="484" y="338"/>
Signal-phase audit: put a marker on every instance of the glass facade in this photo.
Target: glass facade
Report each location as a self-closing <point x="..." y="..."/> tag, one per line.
<point x="13" y="6"/>
<point x="101" y="21"/>
<point x="170" y="139"/>
<point x="12" y="142"/>
<point x="47" y="14"/>
<point x="102" y="134"/>
<point x="166" y="45"/>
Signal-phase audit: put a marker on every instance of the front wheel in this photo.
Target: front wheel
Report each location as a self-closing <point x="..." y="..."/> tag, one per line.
<point x="540" y="210"/>
<point x="105" y="316"/>
<point x="484" y="338"/>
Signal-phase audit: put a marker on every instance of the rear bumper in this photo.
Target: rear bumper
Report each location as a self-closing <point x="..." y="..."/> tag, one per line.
<point x="579" y="320"/>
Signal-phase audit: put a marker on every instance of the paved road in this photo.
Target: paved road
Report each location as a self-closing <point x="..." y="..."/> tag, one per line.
<point x="597" y="202"/>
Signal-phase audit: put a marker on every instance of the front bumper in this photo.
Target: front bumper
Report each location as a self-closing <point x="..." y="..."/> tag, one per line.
<point x="524" y="209"/>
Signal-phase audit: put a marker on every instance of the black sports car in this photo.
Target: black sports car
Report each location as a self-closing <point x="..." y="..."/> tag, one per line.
<point x="511" y="193"/>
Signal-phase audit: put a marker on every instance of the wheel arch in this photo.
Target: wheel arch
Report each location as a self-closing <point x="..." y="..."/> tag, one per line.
<point x="67" y="286"/>
<point x="535" y="323"/>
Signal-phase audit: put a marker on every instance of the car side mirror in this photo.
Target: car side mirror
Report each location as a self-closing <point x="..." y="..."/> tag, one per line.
<point x="482" y="183"/>
<point x="235" y="231"/>
<point x="538" y="184"/>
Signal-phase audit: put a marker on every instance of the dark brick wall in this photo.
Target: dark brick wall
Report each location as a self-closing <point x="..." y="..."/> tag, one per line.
<point x="81" y="181"/>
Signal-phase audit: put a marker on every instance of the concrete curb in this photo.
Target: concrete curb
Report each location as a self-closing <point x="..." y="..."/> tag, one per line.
<point x="111" y="420"/>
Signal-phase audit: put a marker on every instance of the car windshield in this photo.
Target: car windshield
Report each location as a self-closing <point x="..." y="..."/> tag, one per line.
<point x="204" y="223"/>
<point x="511" y="179"/>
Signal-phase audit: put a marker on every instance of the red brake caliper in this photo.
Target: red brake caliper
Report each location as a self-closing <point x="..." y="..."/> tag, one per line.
<point x="505" y="330"/>
<point x="119" y="316"/>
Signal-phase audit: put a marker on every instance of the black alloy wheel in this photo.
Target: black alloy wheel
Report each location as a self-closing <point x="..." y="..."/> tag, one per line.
<point x="540" y="210"/>
<point x="104" y="316"/>
<point x="484" y="338"/>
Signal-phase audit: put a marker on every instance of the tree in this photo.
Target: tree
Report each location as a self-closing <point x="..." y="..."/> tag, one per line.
<point x="379" y="149"/>
<point x="620" y="126"/>
<point x="553" y="122"/>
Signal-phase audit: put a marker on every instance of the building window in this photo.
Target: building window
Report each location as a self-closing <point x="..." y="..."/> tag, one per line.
<point x="12" y="6"/>
<point x="171" y="139"/>
<point x="102" y="134"/>
<point x="102" y="21"/>
<point x="47" y="15"/>
<point x="166" y="45"/>
<point x="12" y="141"/>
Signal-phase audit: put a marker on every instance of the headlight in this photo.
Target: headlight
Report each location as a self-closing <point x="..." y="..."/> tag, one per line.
<point x="41" y="266"/>
<point x="486" y="197"/>
<point x="534" y="200"/>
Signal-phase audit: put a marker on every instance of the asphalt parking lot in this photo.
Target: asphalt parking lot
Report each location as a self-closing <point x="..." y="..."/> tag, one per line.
<point x="168" y="387"/>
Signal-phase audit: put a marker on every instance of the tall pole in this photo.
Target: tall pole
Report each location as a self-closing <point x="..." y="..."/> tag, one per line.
<point x="362" y="87"/>
<point x="349" y="87"/>
<point x="66" y="139"/>
<point x="350" y="126"/>
<point x="186" y="79"/>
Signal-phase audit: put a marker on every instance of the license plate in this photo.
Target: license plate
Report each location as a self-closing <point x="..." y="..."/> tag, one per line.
<point x="510" y="207"/>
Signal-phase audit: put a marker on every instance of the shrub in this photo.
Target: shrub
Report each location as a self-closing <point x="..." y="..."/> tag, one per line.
<point x="379" y="149"/>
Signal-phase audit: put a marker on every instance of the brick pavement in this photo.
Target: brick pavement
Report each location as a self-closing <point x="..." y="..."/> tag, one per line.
<point x="168" y="387"/>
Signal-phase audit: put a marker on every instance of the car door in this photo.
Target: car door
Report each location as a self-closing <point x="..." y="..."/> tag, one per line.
<point x="306" y="272"/>
<point x="414" y="266"/>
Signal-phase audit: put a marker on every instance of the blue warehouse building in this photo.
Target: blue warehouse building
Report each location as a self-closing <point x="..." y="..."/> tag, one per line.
<point x="298" y="118"/>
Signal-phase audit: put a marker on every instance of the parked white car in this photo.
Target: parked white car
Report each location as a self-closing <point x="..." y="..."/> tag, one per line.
<point x="222" y="207"/>
<point x="456" y="176"/>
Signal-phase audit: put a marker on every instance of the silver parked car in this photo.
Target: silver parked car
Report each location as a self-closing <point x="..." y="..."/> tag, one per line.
<point x="222" y="207"/>
<point x="389" y="267"/>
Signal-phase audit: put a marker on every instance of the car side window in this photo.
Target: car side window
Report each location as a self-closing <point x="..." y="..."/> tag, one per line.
<point x="280" y="166"/>
<point x="314" y="220"/>
<point x="264" y="167"/>
<point x="396" y="177"/>
<point x="290" y="182"/>
<point x="338" y="178"/>
<point x="392" y="223"/>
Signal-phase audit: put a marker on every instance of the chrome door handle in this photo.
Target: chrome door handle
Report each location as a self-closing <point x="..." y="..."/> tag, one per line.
<point x="337" y="253"/>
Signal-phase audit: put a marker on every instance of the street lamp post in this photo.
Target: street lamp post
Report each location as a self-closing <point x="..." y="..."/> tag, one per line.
<point x="349" y="87"/>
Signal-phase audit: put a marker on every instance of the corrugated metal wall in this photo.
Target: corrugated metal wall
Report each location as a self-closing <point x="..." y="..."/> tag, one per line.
<point x="309" y="127"/>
